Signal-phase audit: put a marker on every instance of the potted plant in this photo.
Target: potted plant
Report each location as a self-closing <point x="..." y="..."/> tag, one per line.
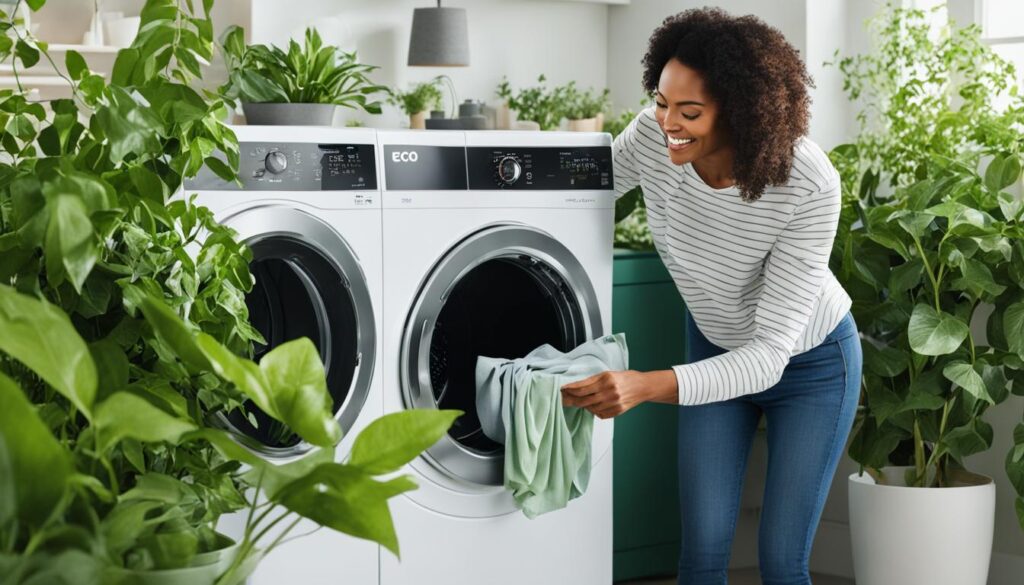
<point x="536" y="108"/>
<point x="585" y="109"/>
<point x="301" y="86"/>
<point x="631" y="231"/>
<point x="124" y="335"/>
<point x="418" y="101"/>
<point x="930" y="241"/>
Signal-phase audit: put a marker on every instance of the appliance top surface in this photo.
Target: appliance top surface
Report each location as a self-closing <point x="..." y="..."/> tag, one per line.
<point x="305" y="134"/>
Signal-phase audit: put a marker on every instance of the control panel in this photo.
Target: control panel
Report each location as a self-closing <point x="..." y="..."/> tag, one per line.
<point x="267" y="166"/>
<point x="417" y="167"/>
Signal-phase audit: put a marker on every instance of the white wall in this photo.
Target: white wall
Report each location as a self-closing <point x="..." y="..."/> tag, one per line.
<point x="518" y="38"/>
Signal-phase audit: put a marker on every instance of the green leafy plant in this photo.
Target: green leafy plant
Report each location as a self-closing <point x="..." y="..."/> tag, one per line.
<point x="422" y="97"/>
<point x="582" y="104"/>
<point x="537" y="104"/>
<point x="942" y="248"/>
<point x="124" y="335"/>
<point x="631" y="229"/>
<point x="310" y="73"/>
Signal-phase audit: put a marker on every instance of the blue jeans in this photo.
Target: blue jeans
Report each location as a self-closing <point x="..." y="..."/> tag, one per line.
<point x="809" y="413"/>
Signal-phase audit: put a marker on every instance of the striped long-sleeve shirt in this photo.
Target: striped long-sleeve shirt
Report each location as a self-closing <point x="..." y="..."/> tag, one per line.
<point x="755" y="275"/>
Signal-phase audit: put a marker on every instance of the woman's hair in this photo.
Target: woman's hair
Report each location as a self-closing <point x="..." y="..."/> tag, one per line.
<point x="757" y="79"/>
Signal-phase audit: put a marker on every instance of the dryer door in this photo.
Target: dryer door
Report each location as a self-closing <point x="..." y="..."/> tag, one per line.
<point x="308" y="283"/>
<point x="501" y="292"/>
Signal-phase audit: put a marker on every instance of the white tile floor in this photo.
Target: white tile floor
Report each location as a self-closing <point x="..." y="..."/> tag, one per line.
<point x="744" y="577"/>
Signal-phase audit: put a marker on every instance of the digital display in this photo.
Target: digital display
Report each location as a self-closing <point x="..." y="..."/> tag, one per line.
<point x="347" y="167"/>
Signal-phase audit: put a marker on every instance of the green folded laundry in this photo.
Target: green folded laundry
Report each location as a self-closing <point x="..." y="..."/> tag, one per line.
<point x="547" y="446"/>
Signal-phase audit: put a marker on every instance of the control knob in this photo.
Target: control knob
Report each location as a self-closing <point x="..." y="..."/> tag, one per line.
<point x="509" y="170"/>
<point x="276" y="162"/>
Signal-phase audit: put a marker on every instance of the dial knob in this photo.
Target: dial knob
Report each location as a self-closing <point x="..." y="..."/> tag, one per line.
<point x="509" y="170"/>
<point x="276" y="162"/>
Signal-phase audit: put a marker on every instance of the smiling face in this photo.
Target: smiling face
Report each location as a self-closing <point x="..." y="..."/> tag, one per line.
<point x="687" y="114"/>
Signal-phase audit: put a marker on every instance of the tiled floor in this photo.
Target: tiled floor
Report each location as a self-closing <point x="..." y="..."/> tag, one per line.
<point x="744" y="577"/>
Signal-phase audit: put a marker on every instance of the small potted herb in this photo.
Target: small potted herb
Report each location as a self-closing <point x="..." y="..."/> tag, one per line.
<point x="418" y="101"/>
<point x="585" y="109"/>
<point x="302" y="86"/>
<point x="536" y="108"/>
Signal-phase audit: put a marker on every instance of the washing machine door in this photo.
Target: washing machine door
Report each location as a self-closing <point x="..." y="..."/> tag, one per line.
<point x="501" y="292"/>
<point x="308" y="283"/>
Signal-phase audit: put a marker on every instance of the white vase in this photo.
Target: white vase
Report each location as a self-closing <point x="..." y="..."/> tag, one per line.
<point x="583" y="125"/>
<point x="921" y="536"/>
<point x="525" y="125"/>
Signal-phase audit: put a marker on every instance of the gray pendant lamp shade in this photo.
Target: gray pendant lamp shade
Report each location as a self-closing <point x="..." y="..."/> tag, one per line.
<point x="439" y="37"/>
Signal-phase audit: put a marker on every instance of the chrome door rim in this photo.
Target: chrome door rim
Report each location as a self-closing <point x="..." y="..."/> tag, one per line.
<point x="315" y="233"/>
<point x="492" y="242"/>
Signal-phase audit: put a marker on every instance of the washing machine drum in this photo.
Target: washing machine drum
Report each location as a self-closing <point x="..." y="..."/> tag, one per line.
<point x="501" y="293"/>
<point x="308" y="284"/>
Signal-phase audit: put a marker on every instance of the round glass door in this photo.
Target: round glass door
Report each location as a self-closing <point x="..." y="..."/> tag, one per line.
<point x="308" y="283"/>
<point x="500" y="293"/>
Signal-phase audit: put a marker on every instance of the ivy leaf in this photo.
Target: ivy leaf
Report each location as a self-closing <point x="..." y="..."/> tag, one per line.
<point x="965" y="376"/>
<point x="1013" y="327"/>
<point x="934" y="333"/>
<point x="77" y="68"/>
<point x="347" y="499"/>
<point x="70" y="248"/>
<point x="125" y="415"/>
<point x="1003" y="171"/>
<point x="395" y="439"/>
<point x="28" y="54"/>
<point x="42" y="337"/>
<point x="34" y="467"/>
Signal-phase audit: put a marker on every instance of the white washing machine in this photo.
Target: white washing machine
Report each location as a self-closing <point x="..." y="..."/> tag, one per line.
<point x="309" y="208"/>
<point x="494" y="243"/>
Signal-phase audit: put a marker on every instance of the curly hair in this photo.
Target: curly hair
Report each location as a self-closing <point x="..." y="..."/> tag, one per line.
<point x="754" y="75"/>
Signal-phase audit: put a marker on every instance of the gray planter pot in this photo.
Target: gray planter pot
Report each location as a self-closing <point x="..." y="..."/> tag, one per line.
<point x="289" y="114"/>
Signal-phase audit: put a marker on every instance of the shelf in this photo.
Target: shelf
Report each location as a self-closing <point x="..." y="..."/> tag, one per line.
<point x="30" y="81"/>
<point x="84" y="49"/>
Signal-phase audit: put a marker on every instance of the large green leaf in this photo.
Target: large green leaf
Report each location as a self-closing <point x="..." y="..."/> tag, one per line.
<point x="170" y="329"/>
<point x="976" y="278"/>
<point x="125" y="415"/>
<point x="1013" y="327"/>
<point x="935" y="333"/>
<point x="70" y="248"/>
<point x="347" y="499"/>
<point x="969" y="439"/>
<point x="34" y="467"/>
<point x="1003" y="171"/>
<point x="42" y="337"/>
<point x="295" y="373"/>
<point x="287" y="385"/>
<point x="393" y="440"/>
<point x="967" y="377"/>
<point x="885" y="361"/>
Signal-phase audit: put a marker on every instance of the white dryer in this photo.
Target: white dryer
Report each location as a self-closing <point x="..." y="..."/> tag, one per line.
<point x="494" y="243"/>
<point x="309" y="209"/>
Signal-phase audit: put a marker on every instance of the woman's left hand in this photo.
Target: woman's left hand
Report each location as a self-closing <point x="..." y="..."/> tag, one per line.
<point x="610" y="394"/>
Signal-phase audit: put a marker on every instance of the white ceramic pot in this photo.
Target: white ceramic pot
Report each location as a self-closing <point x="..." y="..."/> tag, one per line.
<point x="921" y="536"/>
<point x="121" y="31"/>
<point x="525" y="125"/>
<point x="584" y="125"/>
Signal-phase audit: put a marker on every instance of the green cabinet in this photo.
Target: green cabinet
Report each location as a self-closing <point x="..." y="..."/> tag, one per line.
<point x="648" y="308"/>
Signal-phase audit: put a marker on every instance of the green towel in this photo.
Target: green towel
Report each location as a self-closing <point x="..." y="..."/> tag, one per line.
<point x="547" y="446"/>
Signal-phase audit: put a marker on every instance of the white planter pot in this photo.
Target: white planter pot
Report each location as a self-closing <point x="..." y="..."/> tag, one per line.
<point x="583" y="125"/>
<point x="921" y="536"/>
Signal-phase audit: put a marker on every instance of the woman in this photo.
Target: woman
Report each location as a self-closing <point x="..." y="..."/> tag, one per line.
<point x="743" y="209"/>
